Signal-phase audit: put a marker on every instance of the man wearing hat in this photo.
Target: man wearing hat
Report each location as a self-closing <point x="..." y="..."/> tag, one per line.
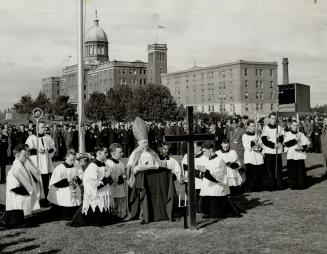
<point x="143" y="157"/>
<point x="152" y="196"/>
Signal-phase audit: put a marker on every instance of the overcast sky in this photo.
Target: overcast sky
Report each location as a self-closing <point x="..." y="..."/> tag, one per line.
<point x="37" y="36"/>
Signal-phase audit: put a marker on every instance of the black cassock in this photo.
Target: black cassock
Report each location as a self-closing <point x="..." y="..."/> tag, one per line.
<point x="154" y="194"/>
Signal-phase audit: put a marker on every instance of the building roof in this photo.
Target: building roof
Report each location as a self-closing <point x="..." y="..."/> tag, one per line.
<point x="197" y="68"/>
<point x="96" y="33"/>
<point x="295" y="83"/>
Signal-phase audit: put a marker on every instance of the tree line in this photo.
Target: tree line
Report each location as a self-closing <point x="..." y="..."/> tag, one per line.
<point x="122" y="103"/>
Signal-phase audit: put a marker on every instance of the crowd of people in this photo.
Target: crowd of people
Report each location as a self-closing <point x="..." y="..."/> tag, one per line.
<point x="96" y="188"/>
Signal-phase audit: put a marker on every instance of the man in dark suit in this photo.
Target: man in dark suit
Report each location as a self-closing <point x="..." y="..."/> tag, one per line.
<point x="235" y="139"/>
<point x="3" y="155"/>
<point x="159" y="134"/>
<point x="178" y="130"/>
<point x="324" y="142"/>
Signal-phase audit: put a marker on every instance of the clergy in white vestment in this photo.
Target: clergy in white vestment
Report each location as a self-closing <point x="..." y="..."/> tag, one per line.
<point x="170" y="162"/>
<point x="47" y="148"/>
<point x="97" y="200"/>
<point x="256" y="173"/>
<point x="272" y="138"/>
<point x="198" y="160"/>
<point x="296" y="144"/>
<point x="64" y="188"/>
<point x="214" y="187"/>
<point x="21" y="190"/>
<point x="143" y="157"/>
<point x="233" y="164"/>
<point x="118" y="175"/>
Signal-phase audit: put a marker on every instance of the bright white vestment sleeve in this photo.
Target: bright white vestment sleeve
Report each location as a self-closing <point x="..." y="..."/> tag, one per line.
<point x="197" y="161"/>
<point x="292" y="153"/>
<point x="271" y="136"/>
<point x="218" y="170"/>
<point x="94" y="197"/>
<point x="251" y="156"/>
<point x="117" y="169"/>
<point x="18" y="176"/>
<point x="45" y="159"/>
<point x="65" y="196"/>
<point x="233" y="175"/>
<point x="174" y="166"/>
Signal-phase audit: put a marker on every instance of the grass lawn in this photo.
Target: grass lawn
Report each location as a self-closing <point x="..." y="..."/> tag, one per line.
<point x="286" y="221"/>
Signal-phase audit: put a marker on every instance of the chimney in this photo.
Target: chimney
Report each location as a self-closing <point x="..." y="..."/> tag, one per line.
<point x="285" y="71"/>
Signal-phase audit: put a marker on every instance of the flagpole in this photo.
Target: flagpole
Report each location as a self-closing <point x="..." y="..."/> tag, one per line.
<point x="80" y="75"/>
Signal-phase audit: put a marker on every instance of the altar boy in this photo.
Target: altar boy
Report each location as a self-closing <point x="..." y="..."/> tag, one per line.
<point x="118" y="175"/>
<point x="21" y="190"/>
<point x="214" y="187"/>
<point x="64" y="188"/>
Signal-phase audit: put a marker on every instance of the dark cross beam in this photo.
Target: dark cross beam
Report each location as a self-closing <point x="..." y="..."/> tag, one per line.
<point x="190" y="138"/>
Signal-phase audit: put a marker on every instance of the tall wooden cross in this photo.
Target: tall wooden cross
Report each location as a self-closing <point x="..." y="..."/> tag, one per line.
<point x="190" y="138"/>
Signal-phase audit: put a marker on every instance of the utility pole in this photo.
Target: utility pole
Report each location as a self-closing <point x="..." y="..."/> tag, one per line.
<point x="80" y="75"/>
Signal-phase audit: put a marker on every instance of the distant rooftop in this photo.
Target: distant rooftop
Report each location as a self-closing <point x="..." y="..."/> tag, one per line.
<point x="196" y="68"/>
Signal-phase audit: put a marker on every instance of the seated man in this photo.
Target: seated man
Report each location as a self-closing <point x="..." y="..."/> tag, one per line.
<point x="64" y="191"/>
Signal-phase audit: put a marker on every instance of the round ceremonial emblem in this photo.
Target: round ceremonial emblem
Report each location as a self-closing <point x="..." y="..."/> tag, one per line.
<point x="37" y="113"/>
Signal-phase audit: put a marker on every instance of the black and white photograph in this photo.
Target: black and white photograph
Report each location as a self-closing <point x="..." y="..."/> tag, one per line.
<point x="163" y="126"/>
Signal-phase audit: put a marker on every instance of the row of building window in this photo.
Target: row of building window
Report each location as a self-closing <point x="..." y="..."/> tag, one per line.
<point x="123" y="82"/>
<point x="258" y="95"/>
<point x="159" y="57"/>
<point x="92" y="50"/>
<point x="258" y="107"/>
<point x="221" y="85"/>
<point x="132" y="72"/>
<point x="258" y="72"/>
<point x="212" y="108"/>
<point x="258" y="84"/>
<point x="221" y="75"/>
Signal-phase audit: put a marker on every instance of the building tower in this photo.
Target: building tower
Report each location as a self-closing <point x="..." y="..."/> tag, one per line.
<point x="96" y="44"/>
<point x="285" y="71"/>
<point x="157" y="62"/>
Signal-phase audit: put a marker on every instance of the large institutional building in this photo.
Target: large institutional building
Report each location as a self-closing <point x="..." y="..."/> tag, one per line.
<point x="101" y="74"/>
<point x="241" y="87"/>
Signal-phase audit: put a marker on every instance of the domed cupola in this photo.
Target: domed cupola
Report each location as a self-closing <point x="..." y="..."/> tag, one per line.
<point x="96" y="43"/>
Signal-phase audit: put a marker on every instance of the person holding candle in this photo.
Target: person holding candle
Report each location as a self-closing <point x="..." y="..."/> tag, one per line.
<point x="64" y="188"/>
<point x="296" y="145"/>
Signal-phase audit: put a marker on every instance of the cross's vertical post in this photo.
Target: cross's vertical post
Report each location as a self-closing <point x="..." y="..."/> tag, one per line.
<point x="191" y="177"/>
